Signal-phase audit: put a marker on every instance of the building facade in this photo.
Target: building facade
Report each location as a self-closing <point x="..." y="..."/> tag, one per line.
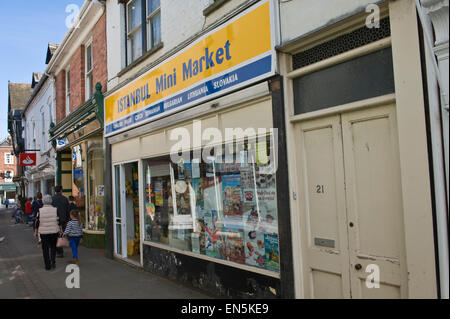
<point x="8" y="169"/>
<point x="38" y="115"/>
<point x="347" y="96"/>
<point x="361" y="196"/>
<point x="78" y="67"/>
<point x="217" y="216"/>
<point x="18" y="95"/>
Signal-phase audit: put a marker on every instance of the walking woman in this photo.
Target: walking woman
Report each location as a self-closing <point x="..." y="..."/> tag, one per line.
<point x="47" y="227"/>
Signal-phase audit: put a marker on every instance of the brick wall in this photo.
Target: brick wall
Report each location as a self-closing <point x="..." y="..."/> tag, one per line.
<point x="99" y="52"/>
<point x="3" y="166"/>
<point x="60" y="83"/>
<point x="77" y="80"/>
<point x="77" y="72"/>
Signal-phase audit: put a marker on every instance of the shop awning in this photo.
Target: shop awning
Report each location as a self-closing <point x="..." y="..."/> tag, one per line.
<point x="7" y="187"/>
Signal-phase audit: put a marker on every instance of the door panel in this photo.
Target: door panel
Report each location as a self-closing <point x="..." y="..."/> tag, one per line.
<point x="322" y="206"/>
<point x="374" y="202"/>
<point x="350" y="205"/>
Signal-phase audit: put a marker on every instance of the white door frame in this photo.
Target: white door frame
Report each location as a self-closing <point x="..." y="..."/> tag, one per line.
<point x="124" y="255"/>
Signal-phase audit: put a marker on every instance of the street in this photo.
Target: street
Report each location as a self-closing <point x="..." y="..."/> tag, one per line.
<point x="22" y="273"/>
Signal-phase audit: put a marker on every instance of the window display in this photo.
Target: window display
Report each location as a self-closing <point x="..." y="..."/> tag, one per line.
<point x="78" y="190"/>
<point x="221" y="208"/>
<point x="95" y="213"/>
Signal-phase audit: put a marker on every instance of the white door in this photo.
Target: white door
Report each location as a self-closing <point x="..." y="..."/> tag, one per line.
<point x="120" y="220"/>
<point x="350" y="205"/>
<point x="374" y="202"/>
<point x="322" y="206"/>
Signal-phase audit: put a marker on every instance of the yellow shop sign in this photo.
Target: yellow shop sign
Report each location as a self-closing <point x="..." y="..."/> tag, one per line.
<point x="234" y="55"/>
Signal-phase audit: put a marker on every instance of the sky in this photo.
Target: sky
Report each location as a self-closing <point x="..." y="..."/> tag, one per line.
<point x="26" y="28"/>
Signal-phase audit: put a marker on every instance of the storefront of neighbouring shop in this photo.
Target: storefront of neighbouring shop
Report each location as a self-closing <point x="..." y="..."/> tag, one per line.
<point x="199" y="182"/>
<point x="78" y="140"/>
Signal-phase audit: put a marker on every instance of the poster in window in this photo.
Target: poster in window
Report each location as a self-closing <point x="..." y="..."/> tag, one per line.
<point x="235" y="251"/>
<point x="248" y="185"/>
<point x="159" y="193"/>
<point x="232" y="205"/>
<point x="272" y="252"/>
<point x="212" y="234"/>
<point x="254" y="238"/>
<point x="212" y="191"/>
<point x="267" y="204"/>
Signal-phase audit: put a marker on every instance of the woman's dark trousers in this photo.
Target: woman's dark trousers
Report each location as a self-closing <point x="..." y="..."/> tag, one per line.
<point x="49" y="249"/>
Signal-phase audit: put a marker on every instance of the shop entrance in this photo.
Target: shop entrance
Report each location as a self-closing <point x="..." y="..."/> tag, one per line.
<point x="350" y="204"/>
<point x="126" y="198"/>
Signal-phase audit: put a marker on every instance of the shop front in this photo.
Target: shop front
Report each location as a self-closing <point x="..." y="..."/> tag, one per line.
<point x="78" y="140"/>
<point x="199" y="189"/>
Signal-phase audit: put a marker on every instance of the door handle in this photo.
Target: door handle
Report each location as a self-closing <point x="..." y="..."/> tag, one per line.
<point x="358" y="266"/>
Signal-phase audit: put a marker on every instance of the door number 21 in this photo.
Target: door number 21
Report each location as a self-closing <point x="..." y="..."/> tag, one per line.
<point x="320" y="189"/>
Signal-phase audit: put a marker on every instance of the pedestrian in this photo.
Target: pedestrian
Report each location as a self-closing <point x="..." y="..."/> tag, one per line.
<point x="48" y="228"/>
<point x="72" y="203"/>
<point x="74" y="232"/>
<point x="62" y="205"/>
<point x="37" y="204"/>
<point x="6" y="203"/>
<point x="28" y="210"/>
<point x="18" y="214"/>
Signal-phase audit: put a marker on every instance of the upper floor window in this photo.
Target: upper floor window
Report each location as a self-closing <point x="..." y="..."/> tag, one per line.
<point x="43" y="131"/>
<point x="9" y="175"/>
<point x="141" y="39"/>
<point x="9" y="159"/>
<point x="153" y="23"/>
<point x="134" y="32"/>
<point x="67" y="93"/>
<point x="89" y="72"/>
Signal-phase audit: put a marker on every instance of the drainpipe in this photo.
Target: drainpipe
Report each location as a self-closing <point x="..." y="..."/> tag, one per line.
<point x="434" y="81"/>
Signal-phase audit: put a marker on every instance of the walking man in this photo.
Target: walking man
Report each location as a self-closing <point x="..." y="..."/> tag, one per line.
<point x="62" y="205"/>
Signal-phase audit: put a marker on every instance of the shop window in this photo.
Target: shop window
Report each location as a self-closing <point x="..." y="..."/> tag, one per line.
<point x="224" y="208"/>
<point x="78" y="190"/>
<point x="96" y="188"/>
<point x="361" y="78"/>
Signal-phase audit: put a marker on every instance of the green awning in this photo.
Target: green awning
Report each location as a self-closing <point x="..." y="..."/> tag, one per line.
<point x="8" y="187"/>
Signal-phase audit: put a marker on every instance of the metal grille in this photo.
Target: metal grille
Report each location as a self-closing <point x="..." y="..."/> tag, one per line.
<point x="341" y="44"/>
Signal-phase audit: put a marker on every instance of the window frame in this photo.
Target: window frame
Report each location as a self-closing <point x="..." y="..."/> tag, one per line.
<point x="149" y="18"/>
<point x="88" y="74"/>
<point x="11" y="176"/>
<point x="147" y="45"/>
<point x="130" y="34"/>
<point x="9" y="159"/>
<point x="67" y="95"/>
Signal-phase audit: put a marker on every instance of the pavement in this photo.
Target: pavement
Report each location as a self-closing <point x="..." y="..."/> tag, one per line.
<point x="23" y="276"/>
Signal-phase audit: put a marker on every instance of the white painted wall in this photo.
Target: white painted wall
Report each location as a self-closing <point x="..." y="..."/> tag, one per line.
<point x="39" y="114"/>
<point x="300" y="17"/>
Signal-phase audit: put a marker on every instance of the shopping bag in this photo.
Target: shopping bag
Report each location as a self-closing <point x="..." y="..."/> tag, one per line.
<point x="62" y="242"/>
